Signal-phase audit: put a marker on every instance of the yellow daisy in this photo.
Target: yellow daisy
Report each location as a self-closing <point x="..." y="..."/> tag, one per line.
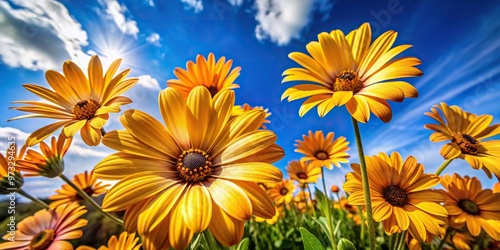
<point x="85" y="181"/>
<point x="466" y="133"/>
<point x="461" y="240"/>
<point x="198" y="171"/>
<point x="321" y="151"/>
<point x="470" y="205"/>
<point x="79" y="103"/>
<point x="238" y="110"/>
<point x="214" y="76"/>
<point x="282" y="192"/>
<point x="352" y="71"/>
<point x="303" y="172"/>
<point x="10" y="178"/>
<point x="400" y="194"/>
<point x="302" y="202"/>
<point x="126" y="241"/>
<point x="50" y="163"/>
<point x="48" y="229"/>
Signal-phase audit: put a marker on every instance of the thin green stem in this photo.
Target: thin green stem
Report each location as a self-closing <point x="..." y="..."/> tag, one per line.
<point x="312" y="203"/>
<point x="329" y="213"/>
<point x="89" y="200"/>
<point x="441" y="244"/>
<point x="401" y="241"/>
<point x="363" y="223"/>
<point x="366" y="184"/>
<point x="35" y="200"/>
<point x="443" y="166"/>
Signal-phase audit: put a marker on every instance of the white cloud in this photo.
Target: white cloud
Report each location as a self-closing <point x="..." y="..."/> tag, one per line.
<point x="235" y="2"/>
<point x="117" y="13"/>
<point x="38" y="35"/>
<point x="281" y="21"/>
<point x="197" y="5"/>
<point x="154" y="38"/>
<point x="148" y="82"/>
<point x="151" y="3"/>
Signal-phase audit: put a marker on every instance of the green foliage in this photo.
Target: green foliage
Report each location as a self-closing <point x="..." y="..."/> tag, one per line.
<point x="345" y="244"/>
<point x="310" y="241"/>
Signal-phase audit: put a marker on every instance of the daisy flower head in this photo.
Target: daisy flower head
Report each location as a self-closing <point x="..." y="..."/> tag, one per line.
<point x="79" y="103"/>
<point x="350" y="70"/>
<point x="323" y="151"/>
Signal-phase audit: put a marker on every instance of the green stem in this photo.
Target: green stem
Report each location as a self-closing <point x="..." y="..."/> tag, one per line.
<point x="329" y="212"/>
<point x="441" y="244"/>
<point x="443" y="166"/>
<point x="212" y="244"/>
<point x="363" y="223"/>
<point x="35" y="200"/>
<point x="89" y="200"/>
<point x="366" y="184"/>
<point x="312" y="203"/>
<point x="401" y="241"/>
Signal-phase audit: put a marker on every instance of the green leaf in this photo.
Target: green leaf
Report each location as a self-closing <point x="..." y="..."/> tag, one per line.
<point x="322" y="202"/>
<point x="345" y="244"/>
<point x="310" y="241"/>
<point x="324" y="225"/>
<point x="243" y="244"/>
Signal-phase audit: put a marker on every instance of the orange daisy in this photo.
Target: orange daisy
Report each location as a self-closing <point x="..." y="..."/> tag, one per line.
<point x="303" y="172"/>
<point x="126" y="241"/>
<point x="282" y="192"/>
<point x="238" y="110"/>
<point x="85" y="181"/>
<point x="48" y="229"/>
<point x="321" y="151"/>
<point x="214" y="76"/>
<point x="10" y="178"/>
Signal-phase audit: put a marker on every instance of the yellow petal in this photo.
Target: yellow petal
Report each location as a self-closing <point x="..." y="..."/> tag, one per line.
<point x="95" y="77"/>
<point x="225" y="228"/>
<point x="99" y="121"/>
<point x="250" y="171"/>
<point x="262" y="205"/>
<point x="179" y="234"/>
<point x="338" y="98"/>
<point x="223" y="104"/>
<point x="78" y="80"/>
<point x="358" y="108"/>
<point x="90" y="135"/>
<point x="360" y="40"/>
<point x="197" y="208"/>
<point x="173" y="110"/>
<point x="72" y="129"/>
<point x="450" y="151"/>
<point x="151" y="132"/>
<point x="380" y="108"/>
<point x="230" y="198"/>
<point x="312" y="102"/>
<point x="120" y="165"/>
<point x="121" y="140"/>
<point x="43" y="132"/>
<point x="245" y="145"/>
<point x="135" y="188"/>
<point x="199" y="104"/>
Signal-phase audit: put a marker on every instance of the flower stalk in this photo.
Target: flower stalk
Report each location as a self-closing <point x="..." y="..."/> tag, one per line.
<point x="89" y="200"/>
<point x="366" y="184"/>
<point x="34" y="199"/>
<point x="443" y="166"/>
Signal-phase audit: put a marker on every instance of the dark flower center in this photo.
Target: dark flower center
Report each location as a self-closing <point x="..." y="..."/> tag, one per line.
<point x="348" y="80"/>
<point x="42" y="240"/>
<point x="194" y="165"/>
<point x="88" y="190"/>
<point x="466" y="143"/>
<point x="283" y="191"/>
<point x="302" y="175"/>
<point x="395" y="195"/>
<point x="322" y="155"/>
<point x="469" y="207"/>
<point x="213" y="90"/>
<point x="85" y="110"/>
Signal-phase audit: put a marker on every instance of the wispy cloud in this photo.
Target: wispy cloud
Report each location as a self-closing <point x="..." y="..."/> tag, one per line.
<point x="148" y="82"/>
<point x="154" y="39"/>
<point x="196" y="5"/>
<point x="282" y="21"/>
<point x="38" y="35"/>
<point x="116" y="12"/>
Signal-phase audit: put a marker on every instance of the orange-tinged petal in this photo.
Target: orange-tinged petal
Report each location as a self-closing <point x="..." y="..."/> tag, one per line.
<point x="262" y="205"/>
<point x="99" y="121"/>
<point x="179" y="234"/>
<point x="380" y="108"/>
<point x="199" y="105"/>
<point x="230" y="197"/>
<point x="173" y="110"/>
<point x="450" y="151"/>
<point x="225" y="228"/>
<point x="338" y="98"/>
<point x="43" y="132"/>
<point x="120" y="165"/>
<point x="249" y="171"/>
<point x="135" y="188"/>
<point x="359" y="109"/>
<point x="90" y="135"/>
<point x="71" y="129"/>
<point x="122" y="140"/>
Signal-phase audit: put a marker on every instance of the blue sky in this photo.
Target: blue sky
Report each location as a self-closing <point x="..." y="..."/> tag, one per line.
<point x="458" y="43"/>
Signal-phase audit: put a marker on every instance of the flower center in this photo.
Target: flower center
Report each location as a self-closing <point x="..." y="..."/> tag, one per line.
<point x="395" y="195"/>
<point x="302" y="175"/>
<point x="348" y="80"/>
<point x="194" y="165"/>
<point x="41" y="240"/>
<point x="469" y="207"/>
<point x="322" y="155"/>
<point x="213" y="90"/>
<point x="85" y="110"/>
<point x="466" y="143"/>
<point x="283" y="191"/>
